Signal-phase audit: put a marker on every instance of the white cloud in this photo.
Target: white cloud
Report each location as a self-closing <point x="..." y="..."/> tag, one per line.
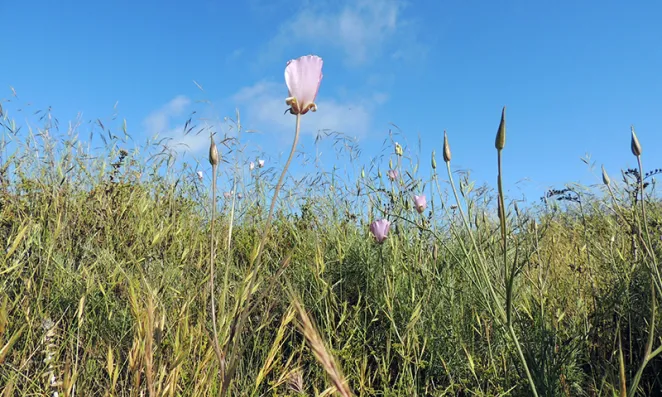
<point x="166" y="122"/>
<point x="263" y="105"/>
<point x="187" y="143"/>
<point x="159" y="120"/>
<point x="361" y="29"/>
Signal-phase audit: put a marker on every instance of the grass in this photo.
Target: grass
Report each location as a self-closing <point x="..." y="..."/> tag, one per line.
<point x="105" y="277"/>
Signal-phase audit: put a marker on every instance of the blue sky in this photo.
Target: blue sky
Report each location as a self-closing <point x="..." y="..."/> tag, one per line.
<point x="573" y="75"/>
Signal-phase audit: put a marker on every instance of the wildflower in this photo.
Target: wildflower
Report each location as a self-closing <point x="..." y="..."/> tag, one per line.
<point x="447" y="149"/>
<point x="260" y="163"/>
<point x="227" y="195"/>
<point x="420" y="203"/>
<point x="392" y="174"/>
<point x="213" y="153"/>
<point x="500" y="141"/>
<point x="303" y="77"/>
<point x="605" y="176"/>
<point x="398" y="149"/>
<point x="379" y="229"/>
<point x="251" y="166"/>
<point x="240" y="196"/>
<point x="199" y="175"/>
<point x="635" y="146"/>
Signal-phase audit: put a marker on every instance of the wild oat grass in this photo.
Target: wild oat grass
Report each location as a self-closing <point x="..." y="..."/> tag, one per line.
<point x="105" y="277"/>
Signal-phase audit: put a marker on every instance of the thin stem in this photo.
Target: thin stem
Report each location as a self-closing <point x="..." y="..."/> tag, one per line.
<point x="239" y="320"/>
<point x="217" y="347"/>
<point x="644" y="218"/>
<point x="502" y="222"/>
<point x="228" y="259"/>
<point x="481" y="261"/>
<point x="651" y="331"/>
<point x="279" y="185"/>
<point x="649" y="345"/>
<point x="474" y="265"/>
<point x="509" y="279"/>
<point x="523" y="359"/>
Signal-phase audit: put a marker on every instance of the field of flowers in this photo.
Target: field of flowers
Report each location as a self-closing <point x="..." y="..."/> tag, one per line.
<point x="124" y="273"/>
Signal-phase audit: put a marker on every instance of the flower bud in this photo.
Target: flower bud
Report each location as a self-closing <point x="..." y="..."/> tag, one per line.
<point x="434" y="161"/>
<point x="398" y="149"/>
<point x="605" y="177"/>
<point x="447" y="149"/>
<point x="213" y="153"/>
<point x="500" y="141"/>
<point x="634" y="143"/>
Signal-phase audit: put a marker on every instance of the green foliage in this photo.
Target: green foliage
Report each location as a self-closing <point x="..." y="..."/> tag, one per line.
<point x="114" y="251"/>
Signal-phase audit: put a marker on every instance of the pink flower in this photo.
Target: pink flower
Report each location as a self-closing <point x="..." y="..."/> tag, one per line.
<point x="420" y="203"/>
<point x="260" y="163"/>
<point x="392" y="174"/>
<point x="303" y="77"/>
<point x="227" y="195"/>
<point x="251" y="166"/>
<point x="379" y="229"/>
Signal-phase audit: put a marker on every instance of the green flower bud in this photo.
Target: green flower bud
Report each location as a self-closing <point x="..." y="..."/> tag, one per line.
<point x="634" y="143"/>
<point x="605" y="177"/>
<point x="213" y="153"/>
<point x="447" y="149"/>
<point x="500" y="141"/>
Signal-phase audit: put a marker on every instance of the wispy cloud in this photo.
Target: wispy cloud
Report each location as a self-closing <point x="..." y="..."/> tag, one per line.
<point x="263" y="104"/>
<point x="362" y="30"/>
<point x="159" y="120"/>
<point x="167" y="122"/>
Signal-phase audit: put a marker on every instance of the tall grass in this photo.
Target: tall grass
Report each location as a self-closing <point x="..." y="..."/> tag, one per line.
<point x="106" y="276"/>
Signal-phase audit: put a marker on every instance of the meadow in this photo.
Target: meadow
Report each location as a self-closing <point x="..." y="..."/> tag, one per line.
<point x="124" y="272"/>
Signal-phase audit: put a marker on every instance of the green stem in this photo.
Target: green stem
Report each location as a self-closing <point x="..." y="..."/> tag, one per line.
<point x="481" y="261"/>
<point x="255" y="263"/>
<point x="509" y="279"/>
<point x="655" y="277"/>
<point x="649" y="345"/>
<point x="502" y="222"/>
<point x="212" y="271"/>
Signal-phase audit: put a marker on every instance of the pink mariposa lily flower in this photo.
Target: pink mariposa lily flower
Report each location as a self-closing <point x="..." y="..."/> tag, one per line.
<point x="392" y="174"/>
<point x="303" y="77"/>
<point x="379" y="229"/>
<point x="420" y="203"/>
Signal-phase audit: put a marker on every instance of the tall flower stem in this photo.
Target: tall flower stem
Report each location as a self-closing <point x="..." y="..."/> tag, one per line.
<point x="240" y="319"/>
<point x="212" y="270"/>
<point x="481" y="261"/>
<point x="509" y="276"/>
<point x="649" y="354"/>
<point x="279" y="185"/>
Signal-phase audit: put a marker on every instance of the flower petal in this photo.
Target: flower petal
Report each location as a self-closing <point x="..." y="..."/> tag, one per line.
<point x="303" y="77"/>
